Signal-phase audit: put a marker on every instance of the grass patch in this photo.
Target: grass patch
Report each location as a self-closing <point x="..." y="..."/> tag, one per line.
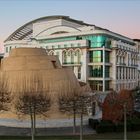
<point x="106" y="136"/>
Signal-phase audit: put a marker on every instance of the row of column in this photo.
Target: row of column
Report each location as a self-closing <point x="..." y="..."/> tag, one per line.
<point x="128" y="85"/>
<point x="125" y="73"/>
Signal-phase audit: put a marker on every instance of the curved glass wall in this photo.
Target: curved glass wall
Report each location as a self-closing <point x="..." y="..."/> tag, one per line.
<point x="97" y="41"/>
<point x="96" y="56"/>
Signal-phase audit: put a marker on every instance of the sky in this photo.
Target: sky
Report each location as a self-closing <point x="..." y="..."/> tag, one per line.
<point x="120" y="16"/>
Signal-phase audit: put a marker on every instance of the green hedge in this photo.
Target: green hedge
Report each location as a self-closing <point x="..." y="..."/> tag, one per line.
<point x="135" y="123"/>
<point x="107" y="126"/>
<point x="93" y="123"/>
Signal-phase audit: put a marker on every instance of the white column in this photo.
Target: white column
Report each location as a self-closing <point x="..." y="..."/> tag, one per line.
<point x="60" y="56"/>
<point x="103" y="68"/>
<point x="84" y="66"/>
<point x="118" y="73"/>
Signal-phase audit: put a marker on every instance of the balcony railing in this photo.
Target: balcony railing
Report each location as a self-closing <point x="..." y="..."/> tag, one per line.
<point x="72" y="63"/>
<point x="134" y="65"/>
<point x="119" y="63"/>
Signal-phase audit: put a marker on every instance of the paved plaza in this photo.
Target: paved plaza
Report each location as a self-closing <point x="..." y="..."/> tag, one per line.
<point x="48" y="127"/>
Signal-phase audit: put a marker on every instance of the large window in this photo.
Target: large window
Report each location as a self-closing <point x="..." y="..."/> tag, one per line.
<point x="79" y="72"/>
<point x="106" y="71"/>
<point x="97" y="56"/>
<point x="7" y="49"/>
<point x="106" y="85"/>
<point x="98" y="41"/>
<point x="72" y="57"/>
<point x="96" y="85"/>
<point x="96" y="71"/>
<point x="78" y="55"/>
<point x="51" y="53"/>
<point x="107" y="56"/>
<point x="64" y="57"/>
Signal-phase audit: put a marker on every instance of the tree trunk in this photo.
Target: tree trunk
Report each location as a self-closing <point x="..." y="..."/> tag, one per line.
<point x="34" y="121"/>
<point x="74" y="121"/>
<point x="32" y="124"/>
<point x="125" y="123"/>
<point x="81" y="127"/>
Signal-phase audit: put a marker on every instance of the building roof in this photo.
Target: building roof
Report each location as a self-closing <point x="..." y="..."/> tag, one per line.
<point x="138" y="40"/>
<point x="25" y="31"/>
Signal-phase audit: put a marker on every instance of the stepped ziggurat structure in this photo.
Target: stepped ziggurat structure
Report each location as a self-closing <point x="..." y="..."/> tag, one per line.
<point x="32" y="71"/>
<point x="104" y="59"/>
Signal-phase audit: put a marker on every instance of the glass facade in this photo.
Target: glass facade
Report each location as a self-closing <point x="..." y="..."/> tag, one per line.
<point x="107" y="57"/>
<point x="96" y="56"/>
<point x="96" y="85"/>
<point x="96" y="71"/>
<point x="79" y="73"/>
<point x="98" y="41"/>
<point x="95" y="41"/>
<point x="107" y="71"/>
<point x="106" y="85"/>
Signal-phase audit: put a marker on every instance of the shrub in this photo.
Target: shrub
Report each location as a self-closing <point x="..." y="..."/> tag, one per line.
<point x="119" y="127"/>
<point x="105" y="126"/>
<point x="93" y="123"/>
<point x="108" y="126"/>
<point x="135" y="124"/>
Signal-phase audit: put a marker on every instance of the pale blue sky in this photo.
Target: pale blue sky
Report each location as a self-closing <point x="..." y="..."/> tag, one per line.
<point x="121" y="16"/>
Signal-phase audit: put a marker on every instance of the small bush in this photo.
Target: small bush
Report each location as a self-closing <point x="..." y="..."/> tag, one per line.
<point x="108" y="126"/>
<point x="135" y="124"/>
<point x="119" y="127"/>
<point x="93" y="123"/>
<point x="105" y="126"/>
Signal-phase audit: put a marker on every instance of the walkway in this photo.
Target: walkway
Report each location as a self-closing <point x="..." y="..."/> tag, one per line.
<point x="50" y="123"/>
<point x="48" y="127"/>
<point x="15" y="131"/>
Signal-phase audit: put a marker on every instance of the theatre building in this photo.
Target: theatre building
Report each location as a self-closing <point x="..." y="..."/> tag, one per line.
<point x="105" y="59"/>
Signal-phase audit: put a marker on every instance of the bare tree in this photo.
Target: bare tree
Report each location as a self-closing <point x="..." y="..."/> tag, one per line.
<point x="71" y="103"/>
<point x="69" y="106"/>
<point x="82" y="102"/>
<point x="75" y="105"/>
<point x="32" y="102"/>
<point x="32" y="105"/>
<point x="4" y="94"/>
